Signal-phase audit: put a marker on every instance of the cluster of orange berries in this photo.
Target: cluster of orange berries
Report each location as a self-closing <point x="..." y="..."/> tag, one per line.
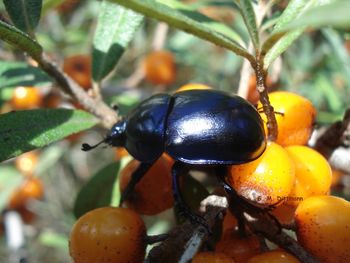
<point x="289" y="175"/>
<point x="31" y="187"/>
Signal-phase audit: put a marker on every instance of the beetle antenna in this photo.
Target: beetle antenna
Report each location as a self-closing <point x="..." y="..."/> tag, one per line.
<point x="87" y="147"/>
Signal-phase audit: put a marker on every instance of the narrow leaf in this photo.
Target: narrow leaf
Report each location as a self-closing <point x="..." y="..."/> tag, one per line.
<point x="98" y="191"/>
<point x="116" y="27"/>
<point x="25" y="14"/>
<point x="247" y="11"/>
<point x="14" y="74"/>
<point x="292" y="11"/>
<point x="189" y="21"/>
<point x="335" y="14"/>
<point x="277" y="48"/>
<point x="279" y="41"/>
<point x="22" y="131"/>
<point x="20" y="40"/>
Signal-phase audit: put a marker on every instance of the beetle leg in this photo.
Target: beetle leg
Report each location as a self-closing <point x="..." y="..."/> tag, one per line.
<point x="135" y="178"/>
<point x="178" y="169"/>
<point x="221" y="173"/>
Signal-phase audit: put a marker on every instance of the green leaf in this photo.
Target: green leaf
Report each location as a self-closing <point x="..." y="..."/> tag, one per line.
<point x="281" y="39"/>
<point x="10" y="179"/>
<point x="22" y="131"/>
<point x="339" y="53"/>
<point x="98" y="191"/>
<point x="278" y="41"/>
<point x="179" y="16"/>
<point x="276" y="48"/>
<point x="116" y="27"/>
<point x="335" y="14"/>
<point x="20" y="40"/>
<point x="25" y="14"/>
<point x="247" y="11"/>
<point x="13" y="74"/>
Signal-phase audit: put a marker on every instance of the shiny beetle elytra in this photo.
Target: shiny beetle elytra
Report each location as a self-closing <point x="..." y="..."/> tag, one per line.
<point x="195" y="127"/>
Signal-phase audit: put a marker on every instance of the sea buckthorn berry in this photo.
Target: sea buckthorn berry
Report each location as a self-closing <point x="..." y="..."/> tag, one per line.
<point x="276" y="256"/>
<point x="31" y="188"/>
<point x="284" y="213"/>
<point x="159" y="67"/>
<point x="294" y="115"/>
<point x="336" y="176"/>
<point x="191" y="86"/>
<point x="323" y="228"/>
<point x="267" y="179"/>
<point x="25" y="98"/>
<point x="108" y="234"/>
<point x="212" y="257"/>
<point x="78" y="67"/>
<point x="52" y="100"/>
<point x="153" y="194"/>
<point x="253" y="94"/>
<point x="120" y="152"/>
<point x="238" y="248"/>
<point x="313" y="175"/>
<point x="26" y="162"/>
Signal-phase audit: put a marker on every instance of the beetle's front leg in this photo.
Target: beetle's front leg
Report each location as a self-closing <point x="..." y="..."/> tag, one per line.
<point x="135" y="178"/>
<point x="179" y="169"/>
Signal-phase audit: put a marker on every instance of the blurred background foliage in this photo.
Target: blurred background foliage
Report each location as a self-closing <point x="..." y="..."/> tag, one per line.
<point x="317" y="65"/>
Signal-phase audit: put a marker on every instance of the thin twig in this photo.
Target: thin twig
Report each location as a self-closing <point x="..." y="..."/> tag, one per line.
<point x="95" y="105"/>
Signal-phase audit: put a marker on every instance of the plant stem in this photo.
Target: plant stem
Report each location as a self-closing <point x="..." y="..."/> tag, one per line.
<point x="271" y="124"/>
<point x="95" y="105"/>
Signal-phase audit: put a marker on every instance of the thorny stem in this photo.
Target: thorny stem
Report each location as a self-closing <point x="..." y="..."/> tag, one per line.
<point x="264" y="97"/>
<point x="95" y="105"/>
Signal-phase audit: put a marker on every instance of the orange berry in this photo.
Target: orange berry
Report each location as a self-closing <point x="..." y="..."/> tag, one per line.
<point x="323" y="228"/>
<point x="313" y="175"/>
<point x="267" y="179"/>
<point x="31" y="188"/>
<point x="26" y="162"/>
<point x="295" y="116"/>
<point x="52" y="100"/>
<point x="159" y="67"/>
<point x="191" y="86"/>
<point x="211" y="257"/>
<point x="25" y="98"/>
<point x="253" y="95"/>
<point x="284" y="213"/>
<point x="27" y="215"/>
<point x="276" y="256"/>
<point x="238" y="248"/>
<point x="336" y="176"/>
<point x="120" y="152"/>
<point x="78" y="67"/>
<point x="108" y="234"/>
<point x="153" y="193"/>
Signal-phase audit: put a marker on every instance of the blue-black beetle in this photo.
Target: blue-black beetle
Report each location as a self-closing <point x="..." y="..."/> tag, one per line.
<point x="195" y="127"/>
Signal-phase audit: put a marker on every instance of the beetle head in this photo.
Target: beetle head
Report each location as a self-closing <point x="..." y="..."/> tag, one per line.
<point x="116" y="137"/>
